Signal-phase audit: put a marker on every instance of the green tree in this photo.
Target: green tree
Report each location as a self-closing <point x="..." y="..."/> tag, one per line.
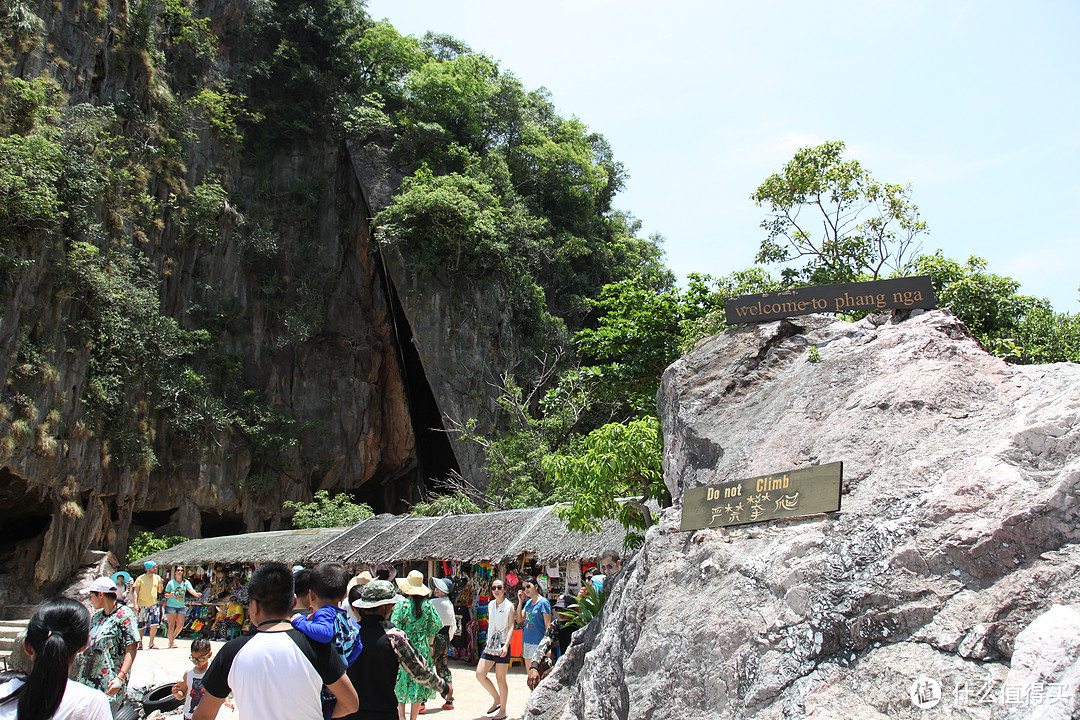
<point x="328" y="512"/>
<point x="148" y="543"/>
<point x="1019" y="328"/>
<point x="867" y="227"/>
<point x="611" y="473"/>
<point x="455" y="504"/>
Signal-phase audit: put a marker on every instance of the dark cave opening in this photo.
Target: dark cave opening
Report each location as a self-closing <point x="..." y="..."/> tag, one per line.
<point x="24" y="511"/>
<point x="435" y="454"/>
<point x="218" y="524"/>
<point x="152" y="520"/>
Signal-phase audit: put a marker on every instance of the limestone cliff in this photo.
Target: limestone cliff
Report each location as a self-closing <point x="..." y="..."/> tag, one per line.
<point x="304" y="314"/>
<point x="953" y="555"/>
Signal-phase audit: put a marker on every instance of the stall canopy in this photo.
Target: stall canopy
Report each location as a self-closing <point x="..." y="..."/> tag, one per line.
<point x="495" y="537"/>
<point x="285" y="546"/>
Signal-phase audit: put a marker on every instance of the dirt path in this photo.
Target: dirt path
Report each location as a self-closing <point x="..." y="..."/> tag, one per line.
<point x="161" y="666"/>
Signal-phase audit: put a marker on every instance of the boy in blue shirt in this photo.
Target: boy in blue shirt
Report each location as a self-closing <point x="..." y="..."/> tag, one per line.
<point x="328" y="623"/>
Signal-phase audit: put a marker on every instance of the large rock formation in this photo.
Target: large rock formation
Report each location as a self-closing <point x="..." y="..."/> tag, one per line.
<point x="952" y="566"/>
<point x="375" y="363"/>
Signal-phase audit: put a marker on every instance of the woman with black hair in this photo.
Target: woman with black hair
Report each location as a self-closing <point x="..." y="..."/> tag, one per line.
<point x="58" y="630"/>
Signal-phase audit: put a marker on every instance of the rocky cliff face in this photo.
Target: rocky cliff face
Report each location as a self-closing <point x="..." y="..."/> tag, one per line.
<point x="384" y="359"/>
<point x="953" y="556"/>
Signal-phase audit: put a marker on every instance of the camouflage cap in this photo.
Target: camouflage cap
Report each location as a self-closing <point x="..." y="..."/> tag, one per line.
<point x="376" y="593"/>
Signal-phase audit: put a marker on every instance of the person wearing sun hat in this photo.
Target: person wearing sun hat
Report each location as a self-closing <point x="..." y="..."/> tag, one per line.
<point x="387" y="651"/>
<point x="420" y="622"/>
<point x="114" y="641"/>
<point x="123" y="582"/>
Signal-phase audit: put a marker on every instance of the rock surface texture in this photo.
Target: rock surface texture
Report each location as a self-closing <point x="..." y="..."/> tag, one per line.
<point x="947" y="586"/>
<point x="369" y="360"/>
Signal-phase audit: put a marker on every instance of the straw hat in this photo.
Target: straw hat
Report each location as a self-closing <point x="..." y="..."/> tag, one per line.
<point x="413" y="584"/>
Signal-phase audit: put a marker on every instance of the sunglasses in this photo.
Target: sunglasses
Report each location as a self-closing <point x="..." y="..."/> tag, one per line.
<point x="496" y="587"/>
<point x="197" y="659"/>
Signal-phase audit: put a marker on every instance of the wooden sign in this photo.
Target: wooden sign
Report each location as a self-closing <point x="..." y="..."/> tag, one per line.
<point x="790" y="494"/>
<point x="875" y="296"/>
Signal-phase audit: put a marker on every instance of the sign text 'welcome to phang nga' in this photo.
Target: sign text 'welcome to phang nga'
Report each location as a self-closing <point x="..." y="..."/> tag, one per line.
<point x="874" y="296"/>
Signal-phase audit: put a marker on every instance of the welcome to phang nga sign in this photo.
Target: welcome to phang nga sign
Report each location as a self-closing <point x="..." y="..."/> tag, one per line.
<point x="899" y="293"/>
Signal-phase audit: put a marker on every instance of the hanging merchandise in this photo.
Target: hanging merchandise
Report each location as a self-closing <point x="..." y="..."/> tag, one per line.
<point x="543" y="583"/>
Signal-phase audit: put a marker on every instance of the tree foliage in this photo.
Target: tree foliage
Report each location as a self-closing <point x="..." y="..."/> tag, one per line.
<point x="831" y="214"/>
<point x="148" y="543"/>
<point x="611" y="472"/>
<point x="1016" y="327"/>
<point x="328" y="512"/>
<point x="455" y="504"/>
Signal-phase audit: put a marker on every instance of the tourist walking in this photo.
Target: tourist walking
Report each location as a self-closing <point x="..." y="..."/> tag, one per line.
<point x="58" y="629"/>
<point x="385" y="654"/>
<point x="144" y="598"/>
<point x="444" y="606"/>
<point x="534" y="615"/>
<point x="114" y="641"/>
<point x="500" y="631"/>
<point x="277" y="673"/>
<point x="176" y="593"/>
<point x="420" y="623"/>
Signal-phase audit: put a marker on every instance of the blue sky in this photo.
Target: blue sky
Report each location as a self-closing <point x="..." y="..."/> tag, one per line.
<point x="977" y="105"/>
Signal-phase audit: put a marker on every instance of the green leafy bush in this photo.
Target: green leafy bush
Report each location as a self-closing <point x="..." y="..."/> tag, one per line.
<point x="148" y="543"/>
<point x="328" y="512"/>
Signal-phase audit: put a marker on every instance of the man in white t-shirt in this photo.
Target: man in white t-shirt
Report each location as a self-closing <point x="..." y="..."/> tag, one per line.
<point x="277" y="673"/>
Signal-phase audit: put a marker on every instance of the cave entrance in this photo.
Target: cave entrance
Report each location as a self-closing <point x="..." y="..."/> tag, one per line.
<point x="219" y="524"/>
<point x="151" y="520"/>
<point x="434" y="453"/>
<point x="25" y="514"/>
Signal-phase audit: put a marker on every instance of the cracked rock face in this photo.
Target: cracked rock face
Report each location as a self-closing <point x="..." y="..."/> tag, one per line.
<point x="958" y="529"/>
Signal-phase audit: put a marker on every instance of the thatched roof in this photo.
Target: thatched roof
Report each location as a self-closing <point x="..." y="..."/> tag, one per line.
<point x="354" y="538"/>
<point x="495" y="537"/>
<point x="286" y="546"/>
<point x="551" y="541"/>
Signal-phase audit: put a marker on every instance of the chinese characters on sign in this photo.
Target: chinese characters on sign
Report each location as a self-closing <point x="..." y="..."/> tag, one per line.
<point x="769" y="497"/>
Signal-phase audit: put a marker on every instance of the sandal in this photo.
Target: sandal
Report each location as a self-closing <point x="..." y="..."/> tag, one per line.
<point x="492" y="709"/>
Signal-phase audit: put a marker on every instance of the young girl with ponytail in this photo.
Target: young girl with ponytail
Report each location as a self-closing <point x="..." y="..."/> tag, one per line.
<point x="58" y="630"/>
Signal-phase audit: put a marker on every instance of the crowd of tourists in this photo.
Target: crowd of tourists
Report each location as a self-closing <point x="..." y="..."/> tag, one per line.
<point x="322" y="644"/>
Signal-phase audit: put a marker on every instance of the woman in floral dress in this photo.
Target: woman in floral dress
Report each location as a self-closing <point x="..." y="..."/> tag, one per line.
<point x="420" y="623"/>
<point x="114" y="640"/>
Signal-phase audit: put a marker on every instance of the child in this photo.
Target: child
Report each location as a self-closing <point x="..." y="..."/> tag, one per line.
<point x="328" y="623"/>
<point x="190" y="689"/>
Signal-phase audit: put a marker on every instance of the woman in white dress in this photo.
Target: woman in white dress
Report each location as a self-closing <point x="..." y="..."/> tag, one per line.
<point x="500" y="631"/>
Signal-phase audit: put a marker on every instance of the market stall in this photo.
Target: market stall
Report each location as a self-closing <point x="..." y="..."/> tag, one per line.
<point x="220" y="569"/>
<point x="472" y="550"/>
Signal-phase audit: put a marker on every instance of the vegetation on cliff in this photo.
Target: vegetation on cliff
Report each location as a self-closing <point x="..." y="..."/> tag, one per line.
<point x="135" y="159"/>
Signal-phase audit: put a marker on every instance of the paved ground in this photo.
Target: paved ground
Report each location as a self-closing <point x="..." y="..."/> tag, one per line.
<point x="160" y="666"/>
